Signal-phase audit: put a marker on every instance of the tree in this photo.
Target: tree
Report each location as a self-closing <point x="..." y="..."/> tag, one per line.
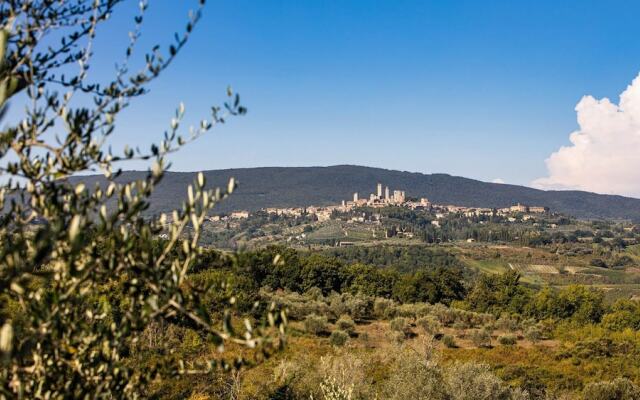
<point x="498" y="293"/>
<point x="580" y="303"/>
<point x="623" y="314"/>
<point x="440" y="285"/>
<point x="63" y="246"/>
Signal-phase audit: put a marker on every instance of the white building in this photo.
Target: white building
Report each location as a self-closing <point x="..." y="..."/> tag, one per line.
<point x="240" y="214"/>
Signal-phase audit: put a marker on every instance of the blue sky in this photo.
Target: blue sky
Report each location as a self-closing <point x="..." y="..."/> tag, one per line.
<point x="483" y="89"/>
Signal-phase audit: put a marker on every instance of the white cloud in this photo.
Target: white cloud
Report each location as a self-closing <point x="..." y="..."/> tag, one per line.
<point x="604" y="155"/>
<point x="498" y="180"/>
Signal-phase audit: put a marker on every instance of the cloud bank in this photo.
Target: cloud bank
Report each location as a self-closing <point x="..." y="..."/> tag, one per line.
<point x="604" y="155"/>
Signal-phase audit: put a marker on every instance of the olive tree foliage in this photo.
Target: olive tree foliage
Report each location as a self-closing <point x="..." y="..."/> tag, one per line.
<point x="65" y="249"/>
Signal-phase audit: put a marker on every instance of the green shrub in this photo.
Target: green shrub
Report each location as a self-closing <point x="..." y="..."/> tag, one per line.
<point x="401" y="324"/>
<point x="315" y="293"/>
<point x="381" y="307"/>
<point x="191" y="340"/>
<point x="300" y="309"/>
<point x="446" y="315"/>
<point x="459" y="326"/>
<point x="415" y="375"/>
<point x="397" y="337"/>
<point x="345" y="323"/>
<point x="449" y="341"/>
<point x="622" y="261"/>
<point x="470" y="381"/>
<point x="618" y="389"/>
<point x="507" y="323"/>
<point x="413" y="310"/>
<point x="507" y="340"/>
<point x="479" y="319"/>
<point x="331" y="390"/>
<point x="315" y="324"/>
<point x="527" y="323"/>
<point x="297" y="305"/>
<point x="481" y="338"/>
<point x="597" y="262"/>
<point x="346" y="371"/>
<point x="621" y="319"/>
<point x="358" y="306"/>
<point x="533" y="334"/>
<point x="338" y="338"/>
<point x="337" y="307"/>
<point x="429" y="325"/>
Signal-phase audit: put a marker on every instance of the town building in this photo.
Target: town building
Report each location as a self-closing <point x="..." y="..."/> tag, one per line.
<point x="538" y="210"/>
<point x="423" y="204"/>
<point x="519" y="208"/>
<point x="380" y="198"/>
<point x="324" y="215"/>
<point x="398" y="196"/>
<point x="240" y="214"/>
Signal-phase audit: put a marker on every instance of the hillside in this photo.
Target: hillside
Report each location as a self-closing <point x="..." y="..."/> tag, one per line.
<point x="300" y="186"/>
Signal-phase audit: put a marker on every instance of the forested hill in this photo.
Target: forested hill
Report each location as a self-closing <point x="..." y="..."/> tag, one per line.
<point x="300" y="186"/>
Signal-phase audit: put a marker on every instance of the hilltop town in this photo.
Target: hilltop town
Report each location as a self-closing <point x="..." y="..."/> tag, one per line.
<point x="382" y="216"/>
<point x="385" y="198"/>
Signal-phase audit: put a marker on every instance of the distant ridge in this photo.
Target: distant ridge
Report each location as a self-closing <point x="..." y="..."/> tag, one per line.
<point x="301" y="186"/>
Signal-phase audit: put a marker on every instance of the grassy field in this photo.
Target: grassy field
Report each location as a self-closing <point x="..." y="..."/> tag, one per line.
<point x="339" y="231"/>
<point x="488" y="266"/>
